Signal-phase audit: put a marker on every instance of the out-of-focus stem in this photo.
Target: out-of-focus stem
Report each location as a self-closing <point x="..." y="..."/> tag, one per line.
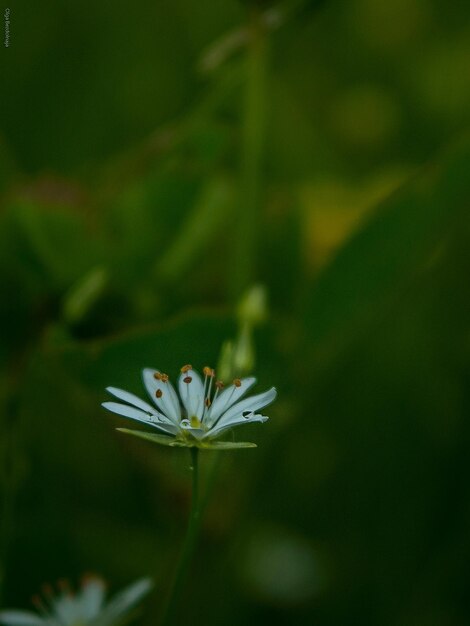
<point x="247" y="215"/>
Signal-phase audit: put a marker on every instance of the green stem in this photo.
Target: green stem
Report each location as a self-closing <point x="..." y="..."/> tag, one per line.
<point x="251" y="156"/>
<point x="189" y="543"/>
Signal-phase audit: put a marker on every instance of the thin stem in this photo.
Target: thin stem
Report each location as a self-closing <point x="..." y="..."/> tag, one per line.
<point x="189" y="542"/>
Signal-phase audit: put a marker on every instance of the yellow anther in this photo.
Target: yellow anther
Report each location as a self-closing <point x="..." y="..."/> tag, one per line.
<point x="186" y="368"/>
<point x="164" y="378"/>
<point x="157" y="376"/>
<point x="208" y="402"/>
<point x="208" y="371"/>
<point x="219" y="384"/>
<point x="237" y="382"/>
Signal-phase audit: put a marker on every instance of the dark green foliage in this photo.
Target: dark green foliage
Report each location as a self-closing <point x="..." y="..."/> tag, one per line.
<point x="140" y="196"/>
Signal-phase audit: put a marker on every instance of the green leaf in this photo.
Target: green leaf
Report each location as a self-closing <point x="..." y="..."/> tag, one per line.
<point x="180" y="443"/>
<point x="163" y="440"/>
<point x="227" y="445"/>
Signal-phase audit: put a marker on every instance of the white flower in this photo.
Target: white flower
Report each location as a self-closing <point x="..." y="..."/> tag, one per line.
<point x="86" y="607"/>
<point x="202" y="412"/>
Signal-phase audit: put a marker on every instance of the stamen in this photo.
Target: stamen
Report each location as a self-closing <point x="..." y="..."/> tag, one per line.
<point x="164" y="378"/>
<point x="207" y="402"/>
<point x="186" y="368"/>
<point x="236" y="383"/>
<point x="89" y="577"/>
<point x="159" y="393"/>
<point x="44" y="603"/>
<point x="39" y="605"/>
<point x="209" y="390"/>
<point x="64" y="586"/>
<point x="219" y="384"/>
<point x="157" y="376"/>
<point x="208" y="371"/>
<point x="187" y="380"/>
<point x="47" y="590"/>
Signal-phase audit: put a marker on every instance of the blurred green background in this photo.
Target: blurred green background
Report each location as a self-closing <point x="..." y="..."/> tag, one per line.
<point x="157" y="159"/>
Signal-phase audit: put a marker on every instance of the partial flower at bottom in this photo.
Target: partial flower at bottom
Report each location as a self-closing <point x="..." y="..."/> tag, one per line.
<point x="85" y="607"/>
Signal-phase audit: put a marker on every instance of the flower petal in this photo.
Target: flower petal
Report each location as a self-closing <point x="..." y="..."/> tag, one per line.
<point x="20" y="618"/>
<point x="91" y="598"/>
<point x="130" y="398"/>
<point x="235" y="421"/>
<point x="136" y="414"/>
<point x="67" y="609"/>
<point x="249" y="405"/>
<point x="121" y="604"/>
<point x="168" y="401"/>
<point x="227" y="398"/>
<point x="192" y="393"/>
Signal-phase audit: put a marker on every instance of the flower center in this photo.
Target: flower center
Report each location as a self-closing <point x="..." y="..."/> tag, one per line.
<point x="195" y="422"/>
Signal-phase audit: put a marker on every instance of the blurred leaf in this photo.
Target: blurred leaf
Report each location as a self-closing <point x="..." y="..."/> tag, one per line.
<point x="402" y="237"/>
<point x="212" y="210"/>
<point x="56" y="240"/>
<point x="84" y="294"/>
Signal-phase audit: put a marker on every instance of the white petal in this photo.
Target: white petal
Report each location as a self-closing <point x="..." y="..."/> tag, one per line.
<point x="20" y="618"/>
<point x="250" y="405"/>
<point x="227" y="398"/>
<point x="168" y="403"/>
<point x="140" y="416"/>
<point x="91" y="598"/>
<point x="235" y="421"/>
<point x="68" y="609"/>
<point x="121" y="604"/>
<point x="132" y="399"/>
<point x="192" y="393"/>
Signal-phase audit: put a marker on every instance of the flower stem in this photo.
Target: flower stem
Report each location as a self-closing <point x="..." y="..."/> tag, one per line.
<point x="189" y="543"/>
